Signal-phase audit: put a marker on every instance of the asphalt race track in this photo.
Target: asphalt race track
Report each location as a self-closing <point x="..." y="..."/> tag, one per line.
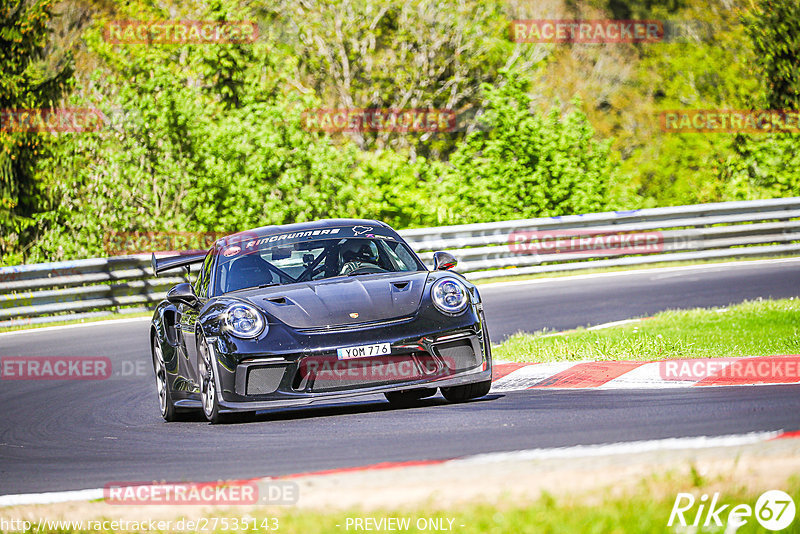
<point x="561" y="304"/>
<point x="66" y="435"/>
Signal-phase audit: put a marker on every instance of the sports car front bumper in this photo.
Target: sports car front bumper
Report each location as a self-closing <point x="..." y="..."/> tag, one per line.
<point x="424" y="353"/>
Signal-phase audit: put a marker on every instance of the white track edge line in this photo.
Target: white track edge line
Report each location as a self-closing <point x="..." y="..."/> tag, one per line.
<point x="78" y="325"/>
<point x="614" y="449"/>
<point x="612" y="324"/>
<point x="52" y="497"/>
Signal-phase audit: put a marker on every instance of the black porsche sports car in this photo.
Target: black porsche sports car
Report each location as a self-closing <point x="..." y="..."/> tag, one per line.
<point x="314" y="312"/>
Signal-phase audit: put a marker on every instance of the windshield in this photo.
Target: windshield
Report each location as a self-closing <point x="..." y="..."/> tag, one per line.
<point x="313" y="260"/>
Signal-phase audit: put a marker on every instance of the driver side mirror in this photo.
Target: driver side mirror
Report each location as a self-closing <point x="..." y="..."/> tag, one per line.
<point x="443" y="261"/>
<point x="182" y="294"/>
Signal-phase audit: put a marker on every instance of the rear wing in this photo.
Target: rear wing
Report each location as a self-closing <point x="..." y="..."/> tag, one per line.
<point x="174" y="262"/>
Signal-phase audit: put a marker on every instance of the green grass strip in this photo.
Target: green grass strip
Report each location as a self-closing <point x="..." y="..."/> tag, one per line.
<point x="753" y="328"/>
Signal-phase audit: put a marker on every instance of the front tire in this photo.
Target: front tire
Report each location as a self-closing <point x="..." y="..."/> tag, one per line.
<point x="168" y="410"/>
<point x="467" y="391"/>
<point x="208" y="385"/>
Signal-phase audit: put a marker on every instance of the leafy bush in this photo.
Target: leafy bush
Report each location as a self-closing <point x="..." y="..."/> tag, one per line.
<point x="526" y="164"/>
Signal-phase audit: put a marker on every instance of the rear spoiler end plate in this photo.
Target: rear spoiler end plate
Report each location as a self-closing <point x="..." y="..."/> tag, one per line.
<point x="161" y="264"/>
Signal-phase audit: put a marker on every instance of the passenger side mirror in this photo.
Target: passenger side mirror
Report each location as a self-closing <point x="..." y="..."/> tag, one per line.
<point x="182" y="294"/>
<point x="443" y="261"/>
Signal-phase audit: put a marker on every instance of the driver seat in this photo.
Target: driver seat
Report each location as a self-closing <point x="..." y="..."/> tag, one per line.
<point x="248" y="271"/>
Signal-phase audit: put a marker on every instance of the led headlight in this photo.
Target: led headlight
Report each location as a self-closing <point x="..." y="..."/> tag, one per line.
<point x="243" y="320"/>
<point x="450" y="296"/>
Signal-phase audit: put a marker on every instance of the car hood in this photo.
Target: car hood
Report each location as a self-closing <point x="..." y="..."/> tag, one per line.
<point x="344" y="300"/>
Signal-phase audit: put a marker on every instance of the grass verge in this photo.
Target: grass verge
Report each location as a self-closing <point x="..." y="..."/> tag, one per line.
<point x="639" y="513"/>
<point x="644" y="509"/>
<point x="753" y="328"/>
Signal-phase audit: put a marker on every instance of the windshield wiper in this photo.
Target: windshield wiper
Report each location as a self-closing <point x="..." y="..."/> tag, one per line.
<point x="248" y="288"/>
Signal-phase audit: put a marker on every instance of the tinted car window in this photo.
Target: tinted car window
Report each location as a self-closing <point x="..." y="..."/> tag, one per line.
<point x="204" y="276"/>
<point x="313" y="260"/>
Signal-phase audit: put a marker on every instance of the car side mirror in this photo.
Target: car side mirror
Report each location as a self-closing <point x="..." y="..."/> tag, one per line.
<point x="182" y="294"/>
<point x="443" y="261"/>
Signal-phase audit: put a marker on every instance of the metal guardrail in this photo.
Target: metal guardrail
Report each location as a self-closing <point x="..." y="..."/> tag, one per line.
<point x="746" y="229"/>
<point x="80" y="288"/>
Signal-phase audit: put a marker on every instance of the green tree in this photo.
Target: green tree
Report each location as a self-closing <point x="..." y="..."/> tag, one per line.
<point x="524" y="164"/>
<point x="401" y="54"/>
<point x="686" y="168"/>
<point x="188" y="147"/>
<point x="769" y="162"/>
<point x="32" y="77"/>
<point x="774" y="30"/>
<point x="402" y="192"/>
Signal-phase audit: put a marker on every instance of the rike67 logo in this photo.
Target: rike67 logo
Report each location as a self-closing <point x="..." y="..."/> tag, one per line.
<point x="774" y="510"/>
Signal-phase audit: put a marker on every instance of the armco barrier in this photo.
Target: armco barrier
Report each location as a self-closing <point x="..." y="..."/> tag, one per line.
<point x="35" y="293"/>
<point x="79" y="289"/>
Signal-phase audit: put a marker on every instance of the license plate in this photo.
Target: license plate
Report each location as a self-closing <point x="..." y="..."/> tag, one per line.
<point x="363" y="351"/>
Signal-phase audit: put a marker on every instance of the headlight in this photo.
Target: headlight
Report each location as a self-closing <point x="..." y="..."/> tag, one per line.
<point x="450" y="296"/>
<point x="243" y="320"/>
